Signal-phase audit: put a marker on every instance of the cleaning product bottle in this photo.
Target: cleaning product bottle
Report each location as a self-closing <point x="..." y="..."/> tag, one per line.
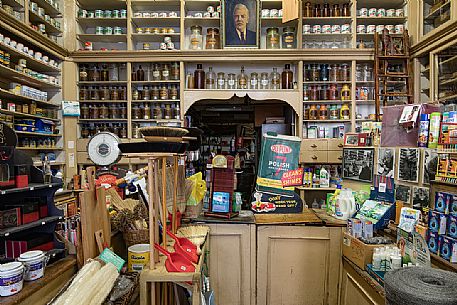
<point x="324" y="179"/>
<point x="340" y="207"/>
<point x="316" y="179"/>
<point x="352" y="206"/>
<point x="315" y="205"/>
<point x="377" y="259"/>
<point x="331" y="206"/>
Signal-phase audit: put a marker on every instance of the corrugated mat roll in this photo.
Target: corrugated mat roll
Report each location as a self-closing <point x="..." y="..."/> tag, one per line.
<point x="420" y="286"/>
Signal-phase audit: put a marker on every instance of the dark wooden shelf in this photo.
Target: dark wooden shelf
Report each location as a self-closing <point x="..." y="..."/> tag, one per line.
<point x="31" y="187"/>
<point x="38" y="223"/>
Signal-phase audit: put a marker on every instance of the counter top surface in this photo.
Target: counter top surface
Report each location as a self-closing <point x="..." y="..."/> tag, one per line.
<point x="240" y="219"/>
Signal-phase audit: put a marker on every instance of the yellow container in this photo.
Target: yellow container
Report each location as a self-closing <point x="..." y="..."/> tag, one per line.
<point x="138" y="257"/>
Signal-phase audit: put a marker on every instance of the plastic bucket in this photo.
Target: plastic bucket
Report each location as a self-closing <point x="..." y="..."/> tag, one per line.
<point x="138" y="257"/>
<point x="34" y="263"/>
<point x="11" y="278"/>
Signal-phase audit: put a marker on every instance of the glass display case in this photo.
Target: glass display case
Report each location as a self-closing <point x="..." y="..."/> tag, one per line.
<point x="446" y="70"/>
<point x="435" y="13"/>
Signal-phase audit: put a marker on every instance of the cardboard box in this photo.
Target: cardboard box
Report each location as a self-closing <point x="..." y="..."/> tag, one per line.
<point x="358" y="252"/>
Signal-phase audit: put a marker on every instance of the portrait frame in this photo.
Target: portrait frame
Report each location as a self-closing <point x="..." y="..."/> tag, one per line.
<point x="353" y="164"/>
<point x="229" y="32"/>
<point x="385" y="162"/>
<point x="408" y="164"/>
<point x="351" y="139"/>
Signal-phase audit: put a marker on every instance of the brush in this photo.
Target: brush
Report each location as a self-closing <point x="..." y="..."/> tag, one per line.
<point x="163" y="131"/>
<point x="196" y="234"/>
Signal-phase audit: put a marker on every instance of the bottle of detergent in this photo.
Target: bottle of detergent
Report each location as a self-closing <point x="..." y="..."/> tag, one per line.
<point x="324" y="179"/>
<point x="345" y="205"/>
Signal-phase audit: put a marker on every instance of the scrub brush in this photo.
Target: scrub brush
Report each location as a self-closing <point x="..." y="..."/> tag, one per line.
<point x="196" y="234"/>
<point x="163" y="131"/>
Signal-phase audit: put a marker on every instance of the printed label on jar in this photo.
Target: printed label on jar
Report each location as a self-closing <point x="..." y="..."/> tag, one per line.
<point x="372" y="12"/>
<point x="10" y="285"/>
<point x="361" y="29"/>
<point x="379" y="28"/>
<point x="336" y="29"/>
<point x="221" y="82"/>
<point x="306" y="29"/>
<point x="165" y="73"/>
<point x="231" y="82"/>
<point x="390" y="13"/>
<point x="194" y="42"/>
<point x="381" y="12"/>
<point x="346" y="28"/>
<point x="264" y="82"/>
<point x="399" y="28"/>
<point x="275" y="40"/>
<point x="371" y="29"/>
<point x="254" y="82"/>
<point x="316" y="29"/>
<point x="155" y="74"/>
<point x="326" y="29"/>
<point x="289" y="39"/>
<point x="363" y="12"/>
<point x="211" y="41"/>
<point x="390" y="28"/>
<point x="34" y="271"/>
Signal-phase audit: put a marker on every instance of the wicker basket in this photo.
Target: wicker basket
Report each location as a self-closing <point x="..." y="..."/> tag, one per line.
<point x="136" y="237"/>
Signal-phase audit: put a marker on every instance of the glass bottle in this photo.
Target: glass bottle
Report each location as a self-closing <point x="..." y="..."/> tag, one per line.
<point x="307" y="10"/>
<point x="273" y="38"/>
<point x="323" y="112"/>
<point x="83" y="74"/>
<point x="164" y="92"/>
<point x="146" y="93"/>
<point x="83" y="93"/>
<point x="367" y="73"/>
<point x="134" y="74"/>
<point x="155" y="72"/>
<point x="136" y="112"/>
<point x="156" y="112"/>
<point x="317" y="10"/>
<point x="155" y="92"/>
<point x="165" y="72"/>
<point x="114" y="95"/>
<point x="104" y="75"/>
<point x="324" y="93"/>
<point x="336" y="12"/>
<point x="324" y="72"/>
<point x="199" y="77"/>
<point x="359" y="73"/>
<point x="123" y="110"/>
<point x="345" y="11"/>
<point x="177" y="112"/>
<point x="345" y="93"/>
<point x="196" y="38"/>
<point x="135" y="95"/>
<point x="190" y="81"/>
<point x="287" y="78"/>
<point x="288" y="38"/>
<point x="95" y="74"/>
<point x="221" y="80"/>
<point x="95" y="113"/>
<point x="123" y="132"/>
<point x="147" y="111"/>
<point x="315" y="73"/>
<point x="275" y="79"/>
<point x="140" y="74"/>
<point x="307" y="72"/>
<point x="122" y="71"/>
<point x="105" y="93"/>
<point x="231" y="81"/>
<point x="94" y="93"/>
<point x="104" y="113"/>
<point x="264" y="81"/>
<point x="168" y="113"/>
<point x="314" y="93"/>
<point x="313" y="113"/>
<point x="254" y="81"/>
<point x="333" y="92"/>
<point x="345" y="112"/>
<point x="334" y="114"/>
<point x="84" y="111"/>
<point x="210" y="79"/>
<point x="334" y="72"/>
<point x="242" y="79"/>
<point x="306" y="113"/>
<point x="305" y="93"/>
<point x="345" y="73"/>
<point x="114" y="72"/>
<point x="174" y="92"/>
<point x="326" y="11"/>
<point x="213" y="40"/>
<point x="175" y="71"/>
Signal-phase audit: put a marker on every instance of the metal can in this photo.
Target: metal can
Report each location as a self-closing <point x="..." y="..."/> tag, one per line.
<point x="90" y="14"/>
<point x="265" y="13"/>
<point x="42" y="28"/>
<point x="170" y="30"/>
<point x="317" y="29"/>
<point x="163" y="15"/>
<point x="372" y="12"/>
<point x="306" y="29"/>
<point x="206" y="15"/>
<point x="215" y="15"/>
<point x="210" y="9"/>
<point x="99" y="30"/>
<point x="116" y="14"/>
<point x="108" y="30"/>
<point x="399" y="29"/>
<point x="336" y="29"/>
<point x="167" y="39"/>
<point x="34" y="7"/>
<point x="363" y="12"/>
<point x="280" y="12"/>
<point x="326" y="29"/>
<point x="198" y="15"/>
<point x="139" y="30"/>
<point x="390" y="28"/>
<point x="163" y="30"/>
<point x="390" y="12"/>
<point x="41" y="12"/>
<point x="98" y="13"/>
<point x="155" y="31"/>
<point x="88" y="46"/>
<point x="146" y="46"/>
<point x="154" y="15"/>
<point x="273" y="13"/>
<point x="371" y="29"/>
<point x="82" y="13"/>
<point x="137" y="15"/>
<point x="123" y="13"/>
<point x="379" y="28"/>
<point x="381" y="12"/>
<point x="108" y="14"/>
<point x="170" y="45"/>
<point x="346" y="28"/>
<point x="361" y="29"/>
<point x="163" y="46"/>
<point x="117" y="30"/>
<point x="147" y="30"/>
<point x="399" y="12"/>
<point x="173" y="14"/>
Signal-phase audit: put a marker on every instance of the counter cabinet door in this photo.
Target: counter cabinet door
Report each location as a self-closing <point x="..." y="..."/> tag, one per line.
<point x="298" y="265"/>
<point x="232" y="263"/>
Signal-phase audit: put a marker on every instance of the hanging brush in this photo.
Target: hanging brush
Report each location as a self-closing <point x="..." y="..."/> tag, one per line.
<point x="163" y="131"/>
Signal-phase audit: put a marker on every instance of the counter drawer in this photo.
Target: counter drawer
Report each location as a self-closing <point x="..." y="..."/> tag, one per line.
<point x="313" y="156"/>
<point x="335" y="144"/>
<point x="335" y="156"/>
<point x="314" y="144"/>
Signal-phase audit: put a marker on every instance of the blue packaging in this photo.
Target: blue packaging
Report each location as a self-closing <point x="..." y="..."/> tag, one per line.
<point x="423" y="130"/>
<point x="433" y="241"/>
<point x="452" y="226"/>
<point x="437" y="222"/>
<point x="448" y="249"/>
<point x="442" y="202"/>
<point x="221" y="202"/>
<point x="453" y="204"/>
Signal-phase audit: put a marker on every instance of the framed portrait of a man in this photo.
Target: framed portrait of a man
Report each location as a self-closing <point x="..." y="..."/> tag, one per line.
<point x="240" y="23"/>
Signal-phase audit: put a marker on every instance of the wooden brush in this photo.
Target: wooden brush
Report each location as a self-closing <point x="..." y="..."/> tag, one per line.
<point x="196" y="234"/>
<point x="163" y="131"/>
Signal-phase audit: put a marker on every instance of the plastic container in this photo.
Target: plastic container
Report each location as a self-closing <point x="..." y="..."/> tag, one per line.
<point x="435" y="119"/>
<point x="138" y="257"/>
<point x="423" y="130"/>
<point x="34" y="263"/>
<point x="11" y="278"/>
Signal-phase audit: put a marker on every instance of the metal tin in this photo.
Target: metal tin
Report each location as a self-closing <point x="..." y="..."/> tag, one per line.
<point x="34" y="7"/>
<point x="167" y="39"/>
<point x="139" y="30"/>
<point x="399" y="12"/>
<point x="99" y="30"/>
<point x="108" y="14"/>
<point x="346" y="28"/>
<point x="206" y="15"/>
<point x="173" y="14"/>
<point x="390" y="28"/>
<point x="137" y="15"/>
<point x="117" y="30"/>
<point x="90" y="14"/>
<point x="163" y="46"/>
<point x="170" y="30"/>
<point x="363" y="12"/>
<point x="265" y="13"/>
<point x="88" y="46"/>
<point x="123" y="13"/>
<point x="82" y="13"/>
<point x="273" y="13"/>
<point x="108" y="30"/>
<point x="116" y="14"/>
<point x="154" y="15"/>
<point x="381" y="12"/>
<point x="198" y="15"/>
<point x="210" y="9"/>
<point x="361" y="29"/>
<point x="380" y="28"/>
<point x="326" y="29"/>
<point x="163" y="30"/>
<point x="147" y="30"/>
<point x="98" y="13"/>
<point x="280" y="12"/>
<point x="155" y="31"/>
<point x="146" y="46"/>
<point x="146" y="14"/>
<point x="306" y="29"/>
<point x="41" y="12"/>
<point x="399" y="29"/>
<point x="170" y="45"/>
<point x="372" y="12"/>
<point x="317" y="29"/>
<point x="336" y="29"/>
<point x="163" y="15"/>
<point x="390" y="12"/>
<point x="371" y="29"/>
<point x="216" y="15"/>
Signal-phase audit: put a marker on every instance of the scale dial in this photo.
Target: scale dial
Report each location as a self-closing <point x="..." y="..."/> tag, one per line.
<point x="103" y="149"/>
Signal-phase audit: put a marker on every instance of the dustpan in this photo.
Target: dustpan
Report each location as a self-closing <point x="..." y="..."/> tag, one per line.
<point x="185" y="247"/>
<point x="175" y="262"/>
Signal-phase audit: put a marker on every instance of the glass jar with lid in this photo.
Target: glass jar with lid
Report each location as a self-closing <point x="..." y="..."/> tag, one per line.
<point x="313" y="113"/>
<point x="264" y="81"/>
<point x="242" y="79"/>
<point x="367" y="73"/>
<point x="210" y="79"/>
<point x="146" y="93"/>
<point x="213" y="40"/>
<point x="196" y="38"/>
<point x="83" y="73"/>
<point x="94" y="93"/>
<point x="104" y="93"/>
<point x="104" y="113"/>
<point x="156" y="112"/>
<point x="314" y="93"/>
<point x="359" y="72"/>
<point x="273" y="39"/>
<point x="334" y="73"/>
<point x="136" y="113"/>
<point x="307" y="72"/>
<point x="123" y="110"/>
<point x="324" y="71"/>
<point x="305" y="93"/>
<point x="146" y="111"/>
<point x="122" y="93"/>
<point x="114" y="72"/>
<point x="333" y="92"/>
<point x="155" y="72"/>
<point x="84" y="111"/>
<point x="315" y="73"/>
<point x="165" y="75"/>
<point x="174" y="92"/>
<point x="345" y="73"/>
<point x="167" y="112"/>
<point x="231" y="81"/>
<point x="135" y="95"/>
<point x="323" y="112"/>
<point x="275" y="79"/>
<point x="345" y="93"/>
<point x="221" y="80"/>
<point x="175" y="71"/>
<point x="114" y="94"/>
<point x="155" y="92"/>
<point x="254" y="81"/>
<point x="324" y="92"/>
<point x="95" y="112"/>
<point x="288" y="38"/>
<point x="83" y="93"/>
<point x="164" y="92"/>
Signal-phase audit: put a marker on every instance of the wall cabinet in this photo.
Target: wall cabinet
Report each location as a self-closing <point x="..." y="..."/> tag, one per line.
<point x="232" y="263"/>
<point x="298" y="265"/>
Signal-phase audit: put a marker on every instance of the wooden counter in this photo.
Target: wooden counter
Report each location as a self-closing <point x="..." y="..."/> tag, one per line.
<point x="41" y="291"/>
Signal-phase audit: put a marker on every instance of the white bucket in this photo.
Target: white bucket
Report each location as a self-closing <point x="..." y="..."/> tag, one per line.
<point x="138" y="257"/>
<point x="34" y="262"/>
<point x="11" y="278"/>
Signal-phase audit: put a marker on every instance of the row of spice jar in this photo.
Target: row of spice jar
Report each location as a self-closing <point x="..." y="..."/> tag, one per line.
<point x="325" y="112"/>
<point x="371" y="28"/>
<point x="156" y="111"/>
<point x="163" y="92"/>
<point x="38" y="143"/>
<point x="112" y="93"/>
<point x="327" y="72"/>
<point x="82" y="13"/>
<point x="380" y="12"/>
<point x="35" y="8"/>
<point x="327" y="29"/>
<point x="103" y="111"/>
<point x="326" y="10"/>
<point x="213" y="40"/>
<point x="326" y="92"/>
<point x="51" y="113"/>
<point x="90" y="130"/>
<point x="148" y="14"/>
<point x="156" y="72"/>
<point x="149" y="30"/>
<point x="111" y="72"/>
<point x="273" y="38"/>
<point x="108" y="30"/>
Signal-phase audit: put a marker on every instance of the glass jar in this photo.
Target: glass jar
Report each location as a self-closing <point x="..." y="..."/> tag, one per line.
<point x="83" y="73"/>
<point x="196" y="38"/>
<point x="306" y="113"/>
<point x="147" y="111"/>
<point x="323" y="112"/>
<point x="114" y="94"/>
<point x="123" y="131"/>
<point x="334" y="73"/>
<point x="199" y="77"/>
<point x="359" y="73"/>
<point x="314" y="93"/>
<point x="324" y="72"/>
<point x="288" y="38"/>
<point x="123" y="110"/>
<point x="95" y="112"/>
<point x="345" y="93"/>
<point x="155" y="92"/>
<point x="84" y="111"/>
<point x="254" y="81"/>
<point x="122" y="71"/>
<point x="336" y="12"/>
<point x="164" y="92"/>
<point x="84" y="131"/>
<point x="190" y="80"/>
<point x="273" y="40"/>
<point x="367" y="73"/>
<point x="94" y="93"/>
<point x="317" y="10"/>
<point x="307" y="10"/>
<point x="334" y="113"/>
<point x="135" y="95"/>
<point x="146" y="93"/>
<point x="333" y="92"/>
<point x="104" y="113"/>
<point x="221" y="80"/>
<point x="305" y="93"/>
<point x="175" y="71"/>
<point x="275" y="80"/>
<point x="104" y="93"/>
<point x="156" y="112"/>
<point x="315" y="73"/>
<point x="345" y="112"/>
<point x="210" y="79"/>
<point x="326" y="11"/>
<point x="264" y="81"/>
<point x="104" y="74"/>
<point x="213" y="40"/>
<point x="174" y="92"/>
<point x="242" y="79"/>
<point x="324" y="93"/>
<point x="167" y="112"/>
<point x="114" y="111"/>
<point x="345" y="11"/>
<point x="231" y="81"/>
<point x="155" y="72"/>
<point x="165" y="75"/>
<point x="345" y="73"/>
<point x="114" y="72"/>
<point x="94" y="74"/>
<point x="136" y="113"/>
<point x="313" y="113"/>
<point x="83" y="93"/>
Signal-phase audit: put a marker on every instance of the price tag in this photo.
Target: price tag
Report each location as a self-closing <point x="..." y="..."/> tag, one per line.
<point x="3" y="192"/>
<point x="7" y="234"/>
<point x="382" y="187"/>
<point x="32" y="188"/>
<point x="43" y="223"/>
